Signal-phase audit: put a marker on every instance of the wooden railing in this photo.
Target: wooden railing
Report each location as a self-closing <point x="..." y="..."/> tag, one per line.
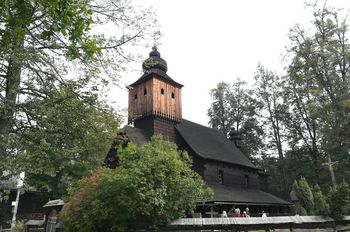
<point x="291" y="223"/>
<point x="173" y="117"/>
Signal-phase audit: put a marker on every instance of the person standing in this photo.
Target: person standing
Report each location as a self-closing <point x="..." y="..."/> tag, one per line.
<point x="237" y="213"/>
<point x="224" y="214"/>
<point x="245" y="214"/>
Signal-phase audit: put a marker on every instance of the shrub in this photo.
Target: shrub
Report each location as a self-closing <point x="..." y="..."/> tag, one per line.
<point x="321" y="207"/>
<point x="153" y="185"/>
<point x="339" y="200"/>
<point x="305" y="196"/>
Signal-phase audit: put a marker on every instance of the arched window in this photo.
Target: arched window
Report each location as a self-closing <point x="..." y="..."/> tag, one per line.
<point x="172" y="95"/>
<point x="145" y="92"/>
<point x="135" y="97"/>
<point x="162" y="91"/>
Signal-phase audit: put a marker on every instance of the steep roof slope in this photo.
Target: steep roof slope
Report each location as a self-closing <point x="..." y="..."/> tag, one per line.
<point x="159" y="74"/>
<point x="211" y="144"/>
<point x="245" y="195"/>
<point x="136" y="135"/>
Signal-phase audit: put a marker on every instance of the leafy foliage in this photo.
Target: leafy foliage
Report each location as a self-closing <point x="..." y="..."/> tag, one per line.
<point x="54" y="64"/>
<point x="312" y="200"/>
<point x="321" y="207"/>
<point x="268" y="88"/>
<point x="305" y="195"/>
<point x="305" y="114"/>
<point x="153" y="185"/>
<point x="68" y="138"/>
<point x="320" y="67"/>
<point x="339" y="200"/>
<point x="18" y="226"/>
<point x="233" y="107"/>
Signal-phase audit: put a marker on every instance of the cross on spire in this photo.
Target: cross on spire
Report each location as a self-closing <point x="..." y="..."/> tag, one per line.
<point x="156" y="36"/>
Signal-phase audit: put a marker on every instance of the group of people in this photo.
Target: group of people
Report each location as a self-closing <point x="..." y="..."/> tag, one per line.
<point x="237" y="213"/>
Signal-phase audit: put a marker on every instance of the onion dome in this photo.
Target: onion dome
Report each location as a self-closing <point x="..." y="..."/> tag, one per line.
<point x="234" y="135"/>
<point x="154" y="62"/>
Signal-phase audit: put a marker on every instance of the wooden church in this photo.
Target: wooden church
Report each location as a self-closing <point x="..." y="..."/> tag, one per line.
<point x="155" y="108"/>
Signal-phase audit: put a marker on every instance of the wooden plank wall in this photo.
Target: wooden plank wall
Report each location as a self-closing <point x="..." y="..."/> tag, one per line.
<point x="154" y="102"/>
<point x="232" y="175"/>
<point x="164" y="104"/>
<point x="143" y="105"/>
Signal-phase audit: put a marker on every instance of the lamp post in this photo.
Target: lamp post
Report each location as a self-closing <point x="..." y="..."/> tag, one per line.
<point x="19" y="184"/>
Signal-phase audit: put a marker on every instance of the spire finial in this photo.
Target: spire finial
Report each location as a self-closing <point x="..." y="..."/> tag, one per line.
<point x="156" y="36"/>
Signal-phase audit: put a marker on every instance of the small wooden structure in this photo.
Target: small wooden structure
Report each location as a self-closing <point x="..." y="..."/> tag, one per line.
<point x="35" y="225"/>
<point x="53" y="209"/>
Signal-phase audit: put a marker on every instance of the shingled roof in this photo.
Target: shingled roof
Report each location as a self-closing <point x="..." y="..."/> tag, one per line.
<point x="158" y="74"/>
<point x="230" y="194"/>
<point x="206" y="142"/>
<point x="136" y="135"/>
<point x="211" y="144"/>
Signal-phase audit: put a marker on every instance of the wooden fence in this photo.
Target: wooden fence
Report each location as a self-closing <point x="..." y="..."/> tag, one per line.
<point x="284" y="223"/>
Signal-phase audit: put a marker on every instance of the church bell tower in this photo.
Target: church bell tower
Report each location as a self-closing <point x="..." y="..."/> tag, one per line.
<point x="155" y="99"/>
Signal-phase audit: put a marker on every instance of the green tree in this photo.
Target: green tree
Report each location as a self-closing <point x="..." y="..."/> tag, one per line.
<point x="339" y="200"/>
<point x="320" y="64"/>
<point x="153" y="185"/>
<point x="320" y="202"/>
<point x="219" y="110"/>
<point x="233" y="107"/>
<point x="299" y="163"/>
<point x="269" y="164"/>
<point x="68" y="138"/>
<point x="47" y="47"/>
<point x="44" y="44"/>
<point x="301" y="125"/>
<point x="269" y="92"/>
<point x="305" y="196"/>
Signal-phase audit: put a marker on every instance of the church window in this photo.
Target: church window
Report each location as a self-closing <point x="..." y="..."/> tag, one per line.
<point x="221" y="176"/>
<point x="145" y="92"/>
<point x="162" y="91"/>
<point x="246" y="181"/>
<point x="135" y="97"/>
<point x="172" y="95"/>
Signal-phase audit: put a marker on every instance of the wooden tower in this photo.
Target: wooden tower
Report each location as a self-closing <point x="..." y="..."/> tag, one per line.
<point x="155" y="99"/>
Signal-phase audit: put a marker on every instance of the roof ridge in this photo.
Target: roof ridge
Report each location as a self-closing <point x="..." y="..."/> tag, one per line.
<point x="210" y="143"/>
<point x="214" y="129"/>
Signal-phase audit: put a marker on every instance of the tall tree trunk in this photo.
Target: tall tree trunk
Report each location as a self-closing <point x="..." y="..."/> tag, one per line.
<point x="274" y="120"/>
<point x="16" y="32"/>
<point x="13" y="77"/>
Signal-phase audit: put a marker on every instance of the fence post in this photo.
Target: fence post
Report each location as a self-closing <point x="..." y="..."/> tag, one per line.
<point x="291" y="227"/>
<point x="334" y="226"/>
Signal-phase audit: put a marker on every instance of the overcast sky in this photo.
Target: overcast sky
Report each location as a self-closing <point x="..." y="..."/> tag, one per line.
<point x="205" y="42"/>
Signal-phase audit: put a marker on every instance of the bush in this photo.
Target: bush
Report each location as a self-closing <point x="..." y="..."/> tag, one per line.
<point x="18" y="227"/>
<point x="339" y="200"/>
<point x="153" y="185"/>
<point x="321" y="206"/>
<point x="305" y="196"/>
